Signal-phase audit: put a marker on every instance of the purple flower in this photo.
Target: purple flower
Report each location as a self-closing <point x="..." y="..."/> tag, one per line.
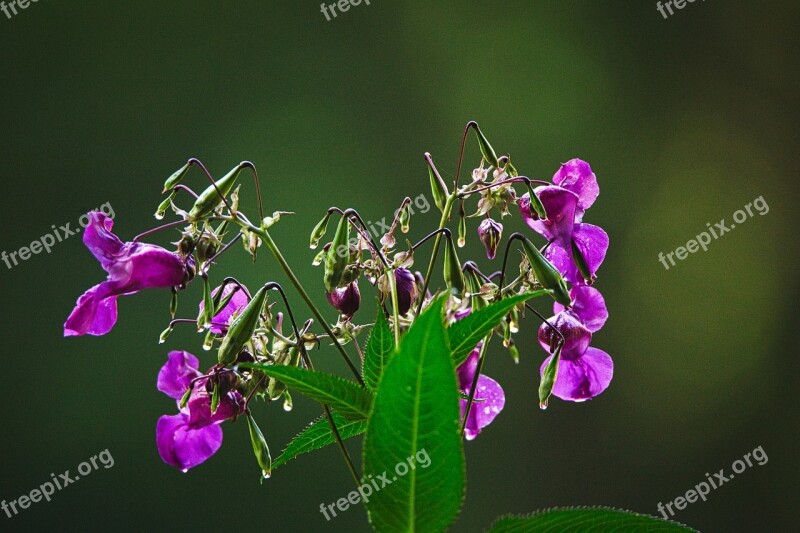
<point x="583" y="372"/>
<point x="346" y="299"/>
<point x="406" y="290"/>
<point x="131" y="267"/>
<point x="565" y="203"/>
<point x="237" y="302"/>
<point x="193" y="435"/>
<point x="489" y="396"/>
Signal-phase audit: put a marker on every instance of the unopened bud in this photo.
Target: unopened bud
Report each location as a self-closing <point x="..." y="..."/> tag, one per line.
<point x="452" y="267"/>
<point x="242" y="328"/>
<point x="260" y="448"/>
<point x="490" y="233"/>
<point x="546" y="274"/>
<point x="346" y="299"/>
<point x="214" y="194"/>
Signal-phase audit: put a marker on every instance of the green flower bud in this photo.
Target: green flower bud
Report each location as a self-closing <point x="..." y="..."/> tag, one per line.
<point x="404" y="218"/>
<point x="260" y="448"/>
<point x="242" y="328"/>
<point x="546" y="274"/>
<point x="462" y="227"/>
<point x="319" y="231"/>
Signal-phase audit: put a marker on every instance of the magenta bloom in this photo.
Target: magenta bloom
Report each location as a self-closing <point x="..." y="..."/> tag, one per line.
<point x="583" y="372"/>
<point x="189" y="438"/>
<point x="237" y="302"/>
<point x="131" y="267"/>
<point x="489" y="396"/>
<point x="575" y="190"/>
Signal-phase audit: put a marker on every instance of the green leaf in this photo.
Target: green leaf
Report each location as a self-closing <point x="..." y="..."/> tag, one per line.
<point x="317" y="435"/>
<point x="380" y="347"/>
<point x="415" y="421"/>
<point x="468" y="332"/>
<point x="348" y="397"/>
<point x="584" y="520"/>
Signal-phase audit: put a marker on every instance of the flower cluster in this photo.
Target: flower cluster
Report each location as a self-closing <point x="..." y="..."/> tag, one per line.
<point x="247" y="330"/>
<point x="577" y="250"/>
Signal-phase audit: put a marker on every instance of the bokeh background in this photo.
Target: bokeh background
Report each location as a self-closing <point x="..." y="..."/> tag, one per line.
<point x="684" y="121"/>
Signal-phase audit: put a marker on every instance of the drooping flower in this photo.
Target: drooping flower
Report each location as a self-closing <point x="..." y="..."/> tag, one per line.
<point x="489" y="396"/>
<point x="565" y="203"/>
<point x="193" y="435"/>
<point x="131" y="267"/>
<point x="583" y="372"/>
<point x="237" y="302"/>
<point x="345" y="299"/>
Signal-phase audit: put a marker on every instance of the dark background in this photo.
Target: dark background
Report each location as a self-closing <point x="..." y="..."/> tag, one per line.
<point x="684" y="121"/>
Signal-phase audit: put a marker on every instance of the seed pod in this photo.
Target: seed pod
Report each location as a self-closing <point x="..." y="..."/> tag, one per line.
<point x="337" y="257"/>
<point x="546" y="274"/>
<point x="260" y="447"/>
<point x="319" y="231"/>
<point x="210" y="199"/>
<point x="452" y="267"/>
<point x="242" y="328"/>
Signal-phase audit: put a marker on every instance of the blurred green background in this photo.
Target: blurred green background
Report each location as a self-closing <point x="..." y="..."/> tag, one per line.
<point x="684" y="121"/>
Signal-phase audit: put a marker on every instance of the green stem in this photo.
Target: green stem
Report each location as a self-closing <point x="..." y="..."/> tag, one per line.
<point x="267" y="238"/>
<point x="448" y="208"/>
<point x="474" y="386"/>
<point x="395" y="307"/>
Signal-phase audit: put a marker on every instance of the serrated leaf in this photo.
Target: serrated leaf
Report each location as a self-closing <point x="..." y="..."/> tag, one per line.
<point x="317" y="435"/>
<point x="466" y="333"/>
<point x="380" y="347"/>
<point x="415" y="416"/>
<point x="348" y="397"/>
<point x="585" y="520"/>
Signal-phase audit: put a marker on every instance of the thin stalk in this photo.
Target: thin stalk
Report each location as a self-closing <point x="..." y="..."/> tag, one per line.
<point x="448" y="207"/>
<point x="474" y="387"/>
<point x="395" y="307"/>
<point x="273" y="248"/>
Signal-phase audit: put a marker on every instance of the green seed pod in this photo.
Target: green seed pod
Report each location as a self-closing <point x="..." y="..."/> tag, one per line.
<point x="452" y="267"/>
<point x="176" y="177"/>
<point x="438" y="188"/>
<point x="210" y="199"/>
<point x="546" y="274"/>
<point x="319" y="231"/>
<point x="260" y="447"/>
<point x="486" y="149"/>
<point x="536" y="203"/>
<point x="163" y="206"/>
<point x="337" y="257"/>
<point x="549" y="377"/>
<point x="462" y="226"/>
<point x="242" y="328"/>
<point x="580" y="262"/>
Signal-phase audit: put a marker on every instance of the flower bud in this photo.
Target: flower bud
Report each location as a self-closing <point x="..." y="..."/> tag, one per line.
<point x="206" y="247"/>
<point x="346" y="300"/>
<point x="490" y="232"/>
<point x="406" y="290"/>
<point x="242" y="328"/>
<point x="163" y="206"/>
